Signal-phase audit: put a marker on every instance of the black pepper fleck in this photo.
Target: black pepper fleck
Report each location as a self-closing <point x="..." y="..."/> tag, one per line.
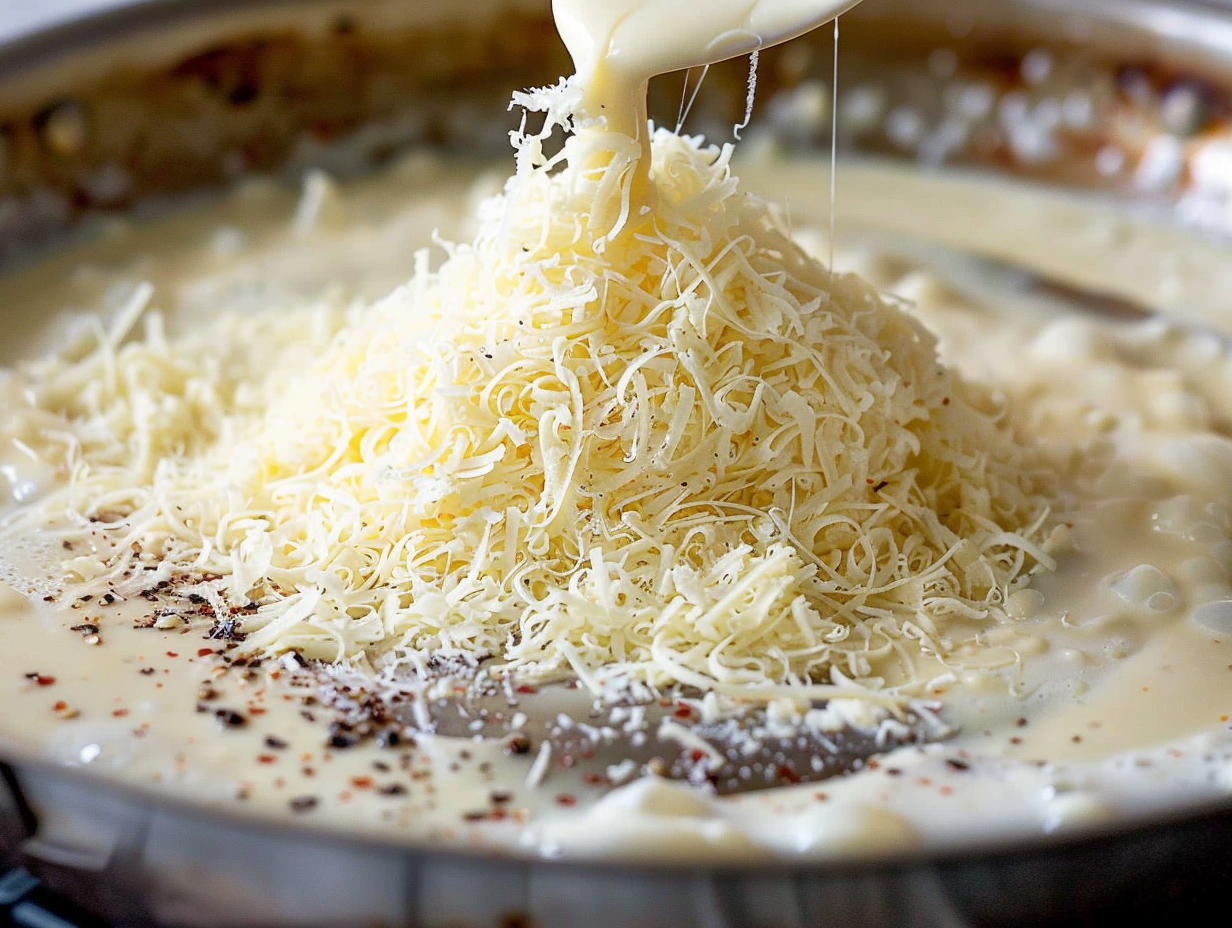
<point x="229" y="718"/>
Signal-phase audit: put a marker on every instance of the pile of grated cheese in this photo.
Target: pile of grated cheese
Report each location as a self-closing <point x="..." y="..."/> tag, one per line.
<point x="661" y="446"/>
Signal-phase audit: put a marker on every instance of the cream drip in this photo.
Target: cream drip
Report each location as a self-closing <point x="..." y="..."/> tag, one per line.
<point x="617" y="46"/>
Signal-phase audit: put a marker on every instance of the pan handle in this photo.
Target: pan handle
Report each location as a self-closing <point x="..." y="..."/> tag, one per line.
<point x="24" y="901"/>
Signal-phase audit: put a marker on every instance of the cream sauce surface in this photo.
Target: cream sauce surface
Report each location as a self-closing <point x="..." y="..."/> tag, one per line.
<point x="1107" y="701"/>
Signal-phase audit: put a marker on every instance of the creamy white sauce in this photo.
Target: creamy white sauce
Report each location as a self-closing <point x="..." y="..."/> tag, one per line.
<point x="1120" y="663"/>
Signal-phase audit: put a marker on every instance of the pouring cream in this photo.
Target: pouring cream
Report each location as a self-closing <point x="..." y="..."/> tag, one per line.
<point x="617" y="46"/>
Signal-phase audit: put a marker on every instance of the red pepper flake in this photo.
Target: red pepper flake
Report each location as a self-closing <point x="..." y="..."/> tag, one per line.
<point x="256" y="710"/>
<point x="783" y="772"/>
<point x="526" y="688"/>
<point x="517" y="744"/>
<point x="821" y="797"/>
<point x="119" y="713"/>
<point x="1015" y="740"/>
<point x="59" y="706"/>
<point x="361" y="782"/>
<point x="309" y="771"/>
<point x="202" y="652"/>
<point x="266" y="758"/>
<point x="565" y="799"/>
<point x="683" y="712"/>
<point x="946" y="790"/>
<point x="41" y="679"/>
<point x="173" y="654"/>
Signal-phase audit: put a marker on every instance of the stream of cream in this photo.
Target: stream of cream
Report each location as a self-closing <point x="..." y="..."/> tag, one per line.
<point x="617" y="46"/>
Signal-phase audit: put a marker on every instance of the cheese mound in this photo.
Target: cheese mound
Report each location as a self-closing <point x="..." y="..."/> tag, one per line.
<point x="661" y="446"/>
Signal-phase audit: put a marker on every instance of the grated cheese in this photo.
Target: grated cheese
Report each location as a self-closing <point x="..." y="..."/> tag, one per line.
<point x="632" y="446"/>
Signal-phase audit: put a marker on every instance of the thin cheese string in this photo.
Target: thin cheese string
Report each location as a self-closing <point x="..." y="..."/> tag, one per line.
<point x="686" y="108"/>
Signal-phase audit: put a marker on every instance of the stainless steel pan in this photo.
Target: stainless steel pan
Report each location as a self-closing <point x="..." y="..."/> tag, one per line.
<point x="91" y="113"/>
